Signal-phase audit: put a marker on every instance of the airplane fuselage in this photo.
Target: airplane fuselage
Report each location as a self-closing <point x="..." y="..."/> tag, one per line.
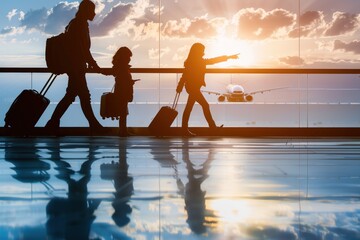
<point x="235" y="88"/>
<point x="236" y="93"/>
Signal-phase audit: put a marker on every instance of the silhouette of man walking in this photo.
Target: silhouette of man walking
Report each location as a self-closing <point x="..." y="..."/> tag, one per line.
<point x="79" y="48"/>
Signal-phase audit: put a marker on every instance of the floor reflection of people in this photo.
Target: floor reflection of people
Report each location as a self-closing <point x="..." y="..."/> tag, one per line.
<point x="195" y="203"/>
<point x="166" y="159"/>
<point x="164" y="156"/>
<point x="29" y="168"/>
<point x="71" y="217"/>
<point x="26" y="160"/>
<point x="123" y="183"/>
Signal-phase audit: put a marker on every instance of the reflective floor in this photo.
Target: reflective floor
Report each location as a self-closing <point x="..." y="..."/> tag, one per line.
<point x="174" y="188"/>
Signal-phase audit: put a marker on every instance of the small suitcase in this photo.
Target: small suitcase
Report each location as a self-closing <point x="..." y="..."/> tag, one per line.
<point x="27" y="108"/>
<point x="108" y="107"/>
<point x="161" y="123"/>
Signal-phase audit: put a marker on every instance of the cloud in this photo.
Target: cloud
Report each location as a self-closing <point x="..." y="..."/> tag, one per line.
<point x="176" y="28"/>
<point x="10" y="31"/>
<point x="319" y="231"/>
<point x="181" y="53"/>
<point x="257" y="24"/>
<point x="269" y="232"/>
<point x="100" y="6"/>
<point x="353" y="46"/>
<point x="338" y="225"/>
<point x="51" y="21"/>
<point x="21" y="15"/>
<point x="198" y="27"/>
<point x="311" y="23"/>
<point x="55" y="20"/>
<point x="310" y="18"/>
<point x="132" y="18"/>
<point x="145" y="31"/>
<point x="59" y="16"/>
<point x="154" y="53"/>
<point x="292" y="60"/>
<point x="111" y="21"/>
<point x="35" y="19"/>
<point x="342" y="23"/>
<point x="138" y="20"/>
<point x="11" y="14"/>
<point x="325" y="45"/>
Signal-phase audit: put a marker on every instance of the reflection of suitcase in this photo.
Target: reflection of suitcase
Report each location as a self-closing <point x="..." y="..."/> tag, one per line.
<point x="108" y="106"/>
<point x="161" y="123"/>
<point x="28" y="107"/>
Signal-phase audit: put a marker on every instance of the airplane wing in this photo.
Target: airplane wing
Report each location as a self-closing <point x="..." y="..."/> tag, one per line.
<point x="264" y="90"/>
<point x="212" y="92"/>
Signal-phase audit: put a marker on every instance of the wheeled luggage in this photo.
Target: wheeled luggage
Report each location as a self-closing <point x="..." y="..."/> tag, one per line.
<point x="108" y="107"/>
<point x="28" y="107"/>
<point x="162" y="121"/>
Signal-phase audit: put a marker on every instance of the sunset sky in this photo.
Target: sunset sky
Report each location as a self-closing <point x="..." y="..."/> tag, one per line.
<point x="265" y="33"/>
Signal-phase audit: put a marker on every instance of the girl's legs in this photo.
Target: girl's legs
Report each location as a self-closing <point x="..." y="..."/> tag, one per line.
<point x="206" y="109"/>
<point x="186" y="115"/>
<point x="188" y="108"/>
<point x="196" y="96"/>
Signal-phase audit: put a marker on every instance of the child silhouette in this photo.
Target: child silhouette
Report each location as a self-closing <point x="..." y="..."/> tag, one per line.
<point x="124" y="86"/>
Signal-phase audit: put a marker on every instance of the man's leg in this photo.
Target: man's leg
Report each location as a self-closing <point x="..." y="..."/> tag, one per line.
<point x="62" y="106"/>
<point x="85" y="102"/>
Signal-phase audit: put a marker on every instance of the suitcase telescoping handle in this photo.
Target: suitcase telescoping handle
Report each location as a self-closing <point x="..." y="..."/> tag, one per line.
<point x="48" y="84"/>
<point x="176" y="100"/>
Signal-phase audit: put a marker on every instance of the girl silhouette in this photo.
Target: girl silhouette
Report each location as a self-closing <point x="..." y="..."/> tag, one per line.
<point x="124" y="86"/>
<point x="194" y="78"/>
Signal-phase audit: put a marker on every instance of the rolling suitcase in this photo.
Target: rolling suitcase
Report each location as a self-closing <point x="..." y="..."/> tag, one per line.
<point x="162" y="121"/>
<point x="27" y="108"/>
<point x="108" y="107"/>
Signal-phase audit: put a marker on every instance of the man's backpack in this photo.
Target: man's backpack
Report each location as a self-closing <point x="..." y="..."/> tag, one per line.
<point x="57" y="53"/>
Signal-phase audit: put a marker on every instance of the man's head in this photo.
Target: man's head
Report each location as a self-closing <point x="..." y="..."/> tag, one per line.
<point x="86" y="10"/>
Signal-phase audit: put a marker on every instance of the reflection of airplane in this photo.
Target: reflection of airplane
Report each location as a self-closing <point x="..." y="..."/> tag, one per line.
<point x="236" y="93"/>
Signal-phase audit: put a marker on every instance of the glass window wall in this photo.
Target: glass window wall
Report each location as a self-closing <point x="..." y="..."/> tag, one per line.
<point x="277" y="35"/>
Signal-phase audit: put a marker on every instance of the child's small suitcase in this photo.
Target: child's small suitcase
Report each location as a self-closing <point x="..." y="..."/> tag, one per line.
<point x="108" y="106"/>
<point x="27" y="108"/>
<point x="161" y="123"/>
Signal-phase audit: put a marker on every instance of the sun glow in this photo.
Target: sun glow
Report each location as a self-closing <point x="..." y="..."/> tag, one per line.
<point x="223" y="45"/>
<point x="232" y="211"/>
